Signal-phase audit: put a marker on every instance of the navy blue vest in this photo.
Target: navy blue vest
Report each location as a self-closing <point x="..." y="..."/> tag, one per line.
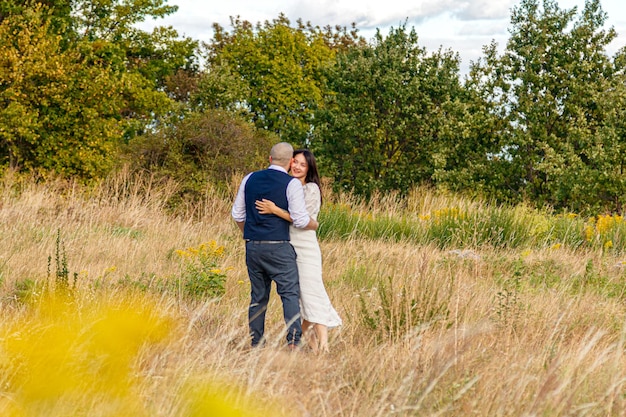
<point x="272" y="185"/>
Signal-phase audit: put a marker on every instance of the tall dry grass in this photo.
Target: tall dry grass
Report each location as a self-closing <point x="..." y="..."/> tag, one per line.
<point x="452" y="331"/>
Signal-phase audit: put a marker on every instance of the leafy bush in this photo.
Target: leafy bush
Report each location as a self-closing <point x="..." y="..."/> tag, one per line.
<point x="202" y="149"/>
<point x="201" y="275"/>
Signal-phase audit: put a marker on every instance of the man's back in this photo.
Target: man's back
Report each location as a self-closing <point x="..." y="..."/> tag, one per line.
<point x="270" y="184"/>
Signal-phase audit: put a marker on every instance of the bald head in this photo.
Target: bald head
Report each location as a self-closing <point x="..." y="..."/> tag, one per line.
<point x="281" y="154"/>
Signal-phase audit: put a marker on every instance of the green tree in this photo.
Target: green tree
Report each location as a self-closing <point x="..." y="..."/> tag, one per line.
<point x="112" y="25"/>
<point x="156" y="55"/>
<point x="220" y="87"/>
<point x="58" y="113"/>
<point x="551" y="86"/>
<point x="468" y="159"/>
<point x="77" y="80"/>
<point x="271" y="72"/>
<point x="59" y="11"/>
<point x="388" y="116"/>
<point x="604" y="179"/>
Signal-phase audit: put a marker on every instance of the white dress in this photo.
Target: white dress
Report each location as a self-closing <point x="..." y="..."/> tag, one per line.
<point x="315" y="305"/>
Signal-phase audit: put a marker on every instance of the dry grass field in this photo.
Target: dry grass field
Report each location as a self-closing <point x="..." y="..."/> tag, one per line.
<point x="428" y="330"/>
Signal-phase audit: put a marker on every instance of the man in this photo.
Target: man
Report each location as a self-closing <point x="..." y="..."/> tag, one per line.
<point x="269" y="255"/>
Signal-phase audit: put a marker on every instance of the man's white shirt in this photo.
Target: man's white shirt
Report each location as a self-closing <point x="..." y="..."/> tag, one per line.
<point x="295" y="199"/>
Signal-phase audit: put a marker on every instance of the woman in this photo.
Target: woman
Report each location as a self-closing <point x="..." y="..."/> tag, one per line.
<point x="317" y="311"/>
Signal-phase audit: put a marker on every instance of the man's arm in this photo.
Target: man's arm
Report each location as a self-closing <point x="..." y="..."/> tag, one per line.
<point x="238" y="211"/>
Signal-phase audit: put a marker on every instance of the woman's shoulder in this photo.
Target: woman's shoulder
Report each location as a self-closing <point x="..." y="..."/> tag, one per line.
<point x="311" y="186"/>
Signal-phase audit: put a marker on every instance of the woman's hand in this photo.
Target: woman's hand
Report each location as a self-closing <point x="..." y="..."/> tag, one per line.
<point x="266" y="206"/>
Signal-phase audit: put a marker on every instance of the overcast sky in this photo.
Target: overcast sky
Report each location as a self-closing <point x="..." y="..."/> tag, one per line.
<point x="463" y="26"/>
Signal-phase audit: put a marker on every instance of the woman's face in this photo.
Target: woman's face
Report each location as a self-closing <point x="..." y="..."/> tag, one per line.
<point x="299" y="167"/>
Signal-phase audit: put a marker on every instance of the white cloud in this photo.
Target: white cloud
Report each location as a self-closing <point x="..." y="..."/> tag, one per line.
<point x="484" y="9"/>
<point x="464" y="26"/>
<point x="371" y="14"/>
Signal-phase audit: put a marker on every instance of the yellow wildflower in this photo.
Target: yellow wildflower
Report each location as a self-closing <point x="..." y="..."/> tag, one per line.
<point x="589" y="232"/>
<point x="606" y="222"/>
<point x="182" y="253"/>
<point x="449" y="213"/>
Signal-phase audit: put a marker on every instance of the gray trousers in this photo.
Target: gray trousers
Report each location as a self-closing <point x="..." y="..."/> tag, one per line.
<point x="276" y="262"/>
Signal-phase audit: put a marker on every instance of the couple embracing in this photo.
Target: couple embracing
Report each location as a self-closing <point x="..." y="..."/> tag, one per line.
<point x="277" y="214"/>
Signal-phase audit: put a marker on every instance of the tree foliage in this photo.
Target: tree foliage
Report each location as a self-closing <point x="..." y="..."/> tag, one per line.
<point x="156" y="55"/>
<point x="58" y="114"/>
<point x="551" y="86"/>
<point x="541" y="122"/>
<point x="77" y="80"/>
<point x="271" y="72"/>
<point x="388" y="115"/>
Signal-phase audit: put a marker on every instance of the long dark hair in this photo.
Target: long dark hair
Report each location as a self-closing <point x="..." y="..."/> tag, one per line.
<point x="312" y="174"/>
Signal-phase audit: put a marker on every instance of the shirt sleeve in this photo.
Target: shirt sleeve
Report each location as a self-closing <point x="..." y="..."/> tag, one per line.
<point x="238" y="211"/>
<point x="297" y="206"/>
<point x="313" y="199"/>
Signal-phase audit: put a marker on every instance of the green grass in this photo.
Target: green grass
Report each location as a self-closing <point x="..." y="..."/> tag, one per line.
<point x="474" y="226"/>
